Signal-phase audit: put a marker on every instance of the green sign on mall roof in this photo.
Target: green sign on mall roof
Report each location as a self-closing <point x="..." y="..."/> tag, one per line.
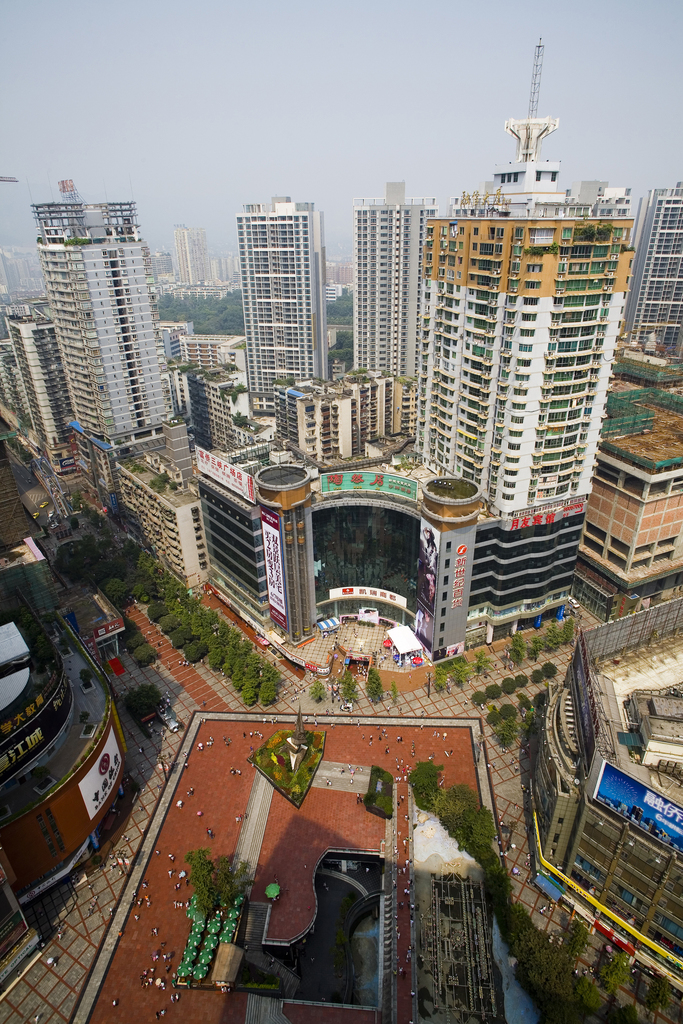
<point x="378" y="482"/>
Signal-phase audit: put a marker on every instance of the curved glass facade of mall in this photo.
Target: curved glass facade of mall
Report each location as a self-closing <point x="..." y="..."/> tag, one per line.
<point x="366" y="546"/>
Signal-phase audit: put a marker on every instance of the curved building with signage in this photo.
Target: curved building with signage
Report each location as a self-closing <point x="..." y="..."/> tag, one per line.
<point x="290" y="545"/>
<point x="606" y="789"/>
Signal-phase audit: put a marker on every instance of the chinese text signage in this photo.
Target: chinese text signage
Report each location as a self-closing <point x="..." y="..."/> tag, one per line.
<point x="541" y="516"/>
<point x="649" y="810"/>
<point x="275" y="574"/>
<point x="33" y="728"/>
<point x="225" y="473"/>
<point x="99" y="785"/>
<point x="378" y="482"/>
<point x="381" y="595"/>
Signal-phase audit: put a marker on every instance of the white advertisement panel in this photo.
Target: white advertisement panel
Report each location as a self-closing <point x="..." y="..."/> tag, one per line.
<point x="99" y="785"/>
<point x="384" y="595"/>
<point x="275" y="573"/>
<point x="225" y="473"/>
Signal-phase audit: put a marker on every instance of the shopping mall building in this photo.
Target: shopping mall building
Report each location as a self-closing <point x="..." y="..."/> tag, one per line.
<point x="291" y="546"/>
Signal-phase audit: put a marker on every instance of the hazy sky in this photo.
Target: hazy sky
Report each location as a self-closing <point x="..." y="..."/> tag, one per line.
<point x="203" y="106"/>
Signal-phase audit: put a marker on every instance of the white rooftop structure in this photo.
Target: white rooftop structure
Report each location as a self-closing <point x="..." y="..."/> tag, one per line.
<point x="12" y="645"/>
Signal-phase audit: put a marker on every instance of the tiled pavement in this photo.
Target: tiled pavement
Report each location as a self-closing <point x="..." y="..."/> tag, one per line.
<point x="53" y="992"/>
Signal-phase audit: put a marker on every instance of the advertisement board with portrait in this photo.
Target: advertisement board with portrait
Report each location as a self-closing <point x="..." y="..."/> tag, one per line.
<point x="427" y="576"/>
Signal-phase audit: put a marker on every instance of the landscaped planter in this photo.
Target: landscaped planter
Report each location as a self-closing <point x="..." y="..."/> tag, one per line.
<point x="272" y="760"/>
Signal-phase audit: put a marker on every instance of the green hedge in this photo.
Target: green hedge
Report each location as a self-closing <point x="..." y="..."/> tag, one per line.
<point x="379" y="798"/>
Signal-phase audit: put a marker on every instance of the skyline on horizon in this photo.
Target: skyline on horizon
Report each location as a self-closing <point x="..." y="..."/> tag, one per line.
<point x="389" y="114"/>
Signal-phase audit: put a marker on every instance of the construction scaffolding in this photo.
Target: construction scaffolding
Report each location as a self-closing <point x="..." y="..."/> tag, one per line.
<point x="648" y="373"/>
<point x="457" y="940"/>
<point x="633" y="631"/>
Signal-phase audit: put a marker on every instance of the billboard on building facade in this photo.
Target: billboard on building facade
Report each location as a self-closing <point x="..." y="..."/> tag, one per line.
<point x="98" y="787"/>
<point x="275" y="570"/>
<point x="32" y="728"/>
<point x="383" y="595"/>
<point x="642" y="806"/>
<point x="225" y="473"/>
<point x="378" y="482"/>
<point x="427" y="576"/>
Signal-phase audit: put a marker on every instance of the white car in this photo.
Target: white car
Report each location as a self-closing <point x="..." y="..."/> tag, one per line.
<point x="573" y="602"/>
<point x="346" y="706"/>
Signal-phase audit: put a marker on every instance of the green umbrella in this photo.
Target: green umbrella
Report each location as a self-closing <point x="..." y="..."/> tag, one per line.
<point x="239" y="900"/>
<point x="200" y="972"/>
<point x="189" y="955"/>
<point x="184" y="970"/>
<point x="272" y="890"/>
<point x="211" y="943"/>
<point x="233" y="914"/>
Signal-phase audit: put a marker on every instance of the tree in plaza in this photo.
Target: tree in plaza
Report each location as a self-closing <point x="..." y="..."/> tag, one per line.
<point x="231" y="882"/>
<point x="461" y="670"/>
<point x="267" y="692"/>
<point x="507" y="731"/>
<point x="658" y="994"/>
<point x="250" y="692"/>
<point x="394" y="692"/>
<point x="549" y="670"/>
<point x="553" y="637"/>
<point x="74" y="522"/>
<point x="116" y="590"/>
<point x="508" y="711"/>
<point x="624" y="1015"/>
<point x="142" y="700"/>
<point x="536" y="645"/>
<point x="482" y="663"/>
<point x="452" y="807"/>
<point x="537" y="676"/>
<point x="508" y="685"/>
<point x="588" y="999"/>
<point x="201" y="878"/>
<point x="479" y="698"/>
<point x="544" y="969"/>
<point x="440" y="678"/>
<point x="349" y="690"/>
<point x="317" y="690"/>
<point x="374" y="688"/>
<point x="615" y="973"/>
<point x="518" y="648"/>
<point x="424" y="779"/>
<point x="85" y="675"/>
<point x="493" y="691"/>
<point x="169" y="623"/>
<point x="567" y="631"/>
<point x="578" y="938"/>
<point x="145" y="654"/>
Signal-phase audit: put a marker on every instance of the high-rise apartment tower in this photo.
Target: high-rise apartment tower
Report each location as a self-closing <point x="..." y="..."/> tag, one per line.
<point x="192" y="255"/>
<point x="388" y="237"/>
<point x="98" y="279"/>
<point x="282" y="263"/>
<point x="524" y="294"/>
<point x="655" y="304"/>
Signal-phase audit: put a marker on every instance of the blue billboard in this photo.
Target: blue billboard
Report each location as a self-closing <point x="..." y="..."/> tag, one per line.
<point x="649" y="810"/>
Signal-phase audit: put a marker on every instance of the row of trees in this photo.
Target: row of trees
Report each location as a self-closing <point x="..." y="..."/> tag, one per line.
<point x="553" y="637"/>
<point x="199" y="632"/>
<point x="349" y="688"/>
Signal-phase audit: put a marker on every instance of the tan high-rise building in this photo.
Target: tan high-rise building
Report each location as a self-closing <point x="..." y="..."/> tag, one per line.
<point x="523" y="300"/>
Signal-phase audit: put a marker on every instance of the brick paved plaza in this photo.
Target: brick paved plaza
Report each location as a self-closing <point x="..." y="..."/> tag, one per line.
<point x="54" y="992"/>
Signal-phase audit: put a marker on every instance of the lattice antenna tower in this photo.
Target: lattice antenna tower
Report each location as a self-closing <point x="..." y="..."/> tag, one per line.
<point x="69" y="192"/>
<point x="536" y="79"/>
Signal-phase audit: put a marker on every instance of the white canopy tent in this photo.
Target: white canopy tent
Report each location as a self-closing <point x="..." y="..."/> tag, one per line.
<point x="404" y="640"/>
